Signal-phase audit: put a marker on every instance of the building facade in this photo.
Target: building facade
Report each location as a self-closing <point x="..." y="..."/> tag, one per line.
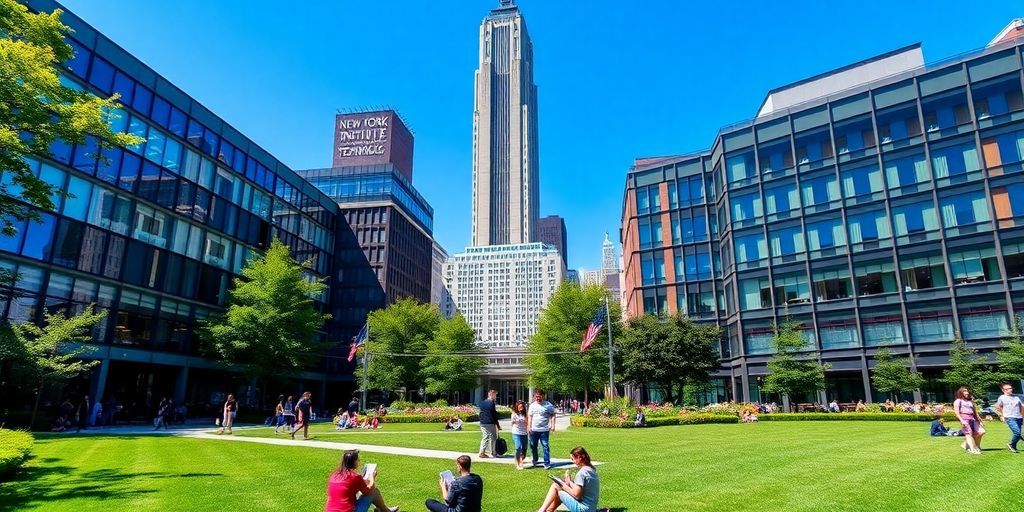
<point x="501" y="290"/>
<point x="439" y="293"/>
<point x="878" y="204"/>
<point x="154" y="234"/>
<point x="551" y="231"/>
<point x="506" y="176"/>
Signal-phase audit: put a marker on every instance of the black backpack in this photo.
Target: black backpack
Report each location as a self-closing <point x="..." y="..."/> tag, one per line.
<point x="500" y="446"/>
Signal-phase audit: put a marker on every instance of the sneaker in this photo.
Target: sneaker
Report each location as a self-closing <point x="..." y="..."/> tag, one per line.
<point x="975" y="452"/>
<point x="483" y="456"/>
<point x="547" y="466"/>
<point x="1012" y="449"/>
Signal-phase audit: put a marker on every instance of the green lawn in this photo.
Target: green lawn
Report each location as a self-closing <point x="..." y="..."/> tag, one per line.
<point x="814" y="466"/>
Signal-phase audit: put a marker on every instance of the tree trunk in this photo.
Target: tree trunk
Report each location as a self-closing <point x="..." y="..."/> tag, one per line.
<point x="667" y="389"/>
<point x="35" y="409"/>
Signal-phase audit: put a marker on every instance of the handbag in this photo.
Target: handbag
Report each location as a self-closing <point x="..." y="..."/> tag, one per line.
<point x="500" y="446"/>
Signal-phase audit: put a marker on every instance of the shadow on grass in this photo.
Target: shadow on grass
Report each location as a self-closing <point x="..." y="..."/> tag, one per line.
<point x="44" y="481"/>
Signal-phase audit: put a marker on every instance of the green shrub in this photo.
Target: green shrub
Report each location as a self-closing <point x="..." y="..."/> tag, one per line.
<point x="682" y="419"/>
<point x="427" y="418"/>
<point x="853" y="416"/>
<point x="15" y="447"/>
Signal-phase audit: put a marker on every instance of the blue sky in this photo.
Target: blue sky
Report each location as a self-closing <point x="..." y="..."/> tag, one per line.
<point x="617" y="79"/>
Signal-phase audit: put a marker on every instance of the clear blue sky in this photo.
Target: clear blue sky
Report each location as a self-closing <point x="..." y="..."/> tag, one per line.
<point x="617" y="79"/>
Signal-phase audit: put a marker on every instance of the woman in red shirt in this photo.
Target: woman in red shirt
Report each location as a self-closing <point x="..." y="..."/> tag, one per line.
<point x="345" y="482"/>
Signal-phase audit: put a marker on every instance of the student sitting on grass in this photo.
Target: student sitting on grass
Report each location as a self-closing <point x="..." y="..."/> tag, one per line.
<point x="463" y="493"/>
<point x="939" y="428"/>
<point x="579" y="494"/>
<point x="345" y="483"/>
<point x="640" y="419"/>
<point x="454" y="423"/>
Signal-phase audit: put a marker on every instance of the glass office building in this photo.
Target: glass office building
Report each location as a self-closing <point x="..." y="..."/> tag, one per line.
<point x="154" y="234"/>
<point x="880" y="205"/>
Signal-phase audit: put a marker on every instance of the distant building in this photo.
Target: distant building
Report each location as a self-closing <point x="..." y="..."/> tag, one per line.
<point x="572" y="275"/>
<point x="375" y="137"/>
<point x="589" y="277"/>
<point x="552" y="232"/>
<point x="439" y="293"/>
<point x="609" y="263"/>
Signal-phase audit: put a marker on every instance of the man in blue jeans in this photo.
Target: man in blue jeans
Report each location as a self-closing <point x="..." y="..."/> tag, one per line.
<point x="540" y="421"/>
<point x="1011" y="411"/>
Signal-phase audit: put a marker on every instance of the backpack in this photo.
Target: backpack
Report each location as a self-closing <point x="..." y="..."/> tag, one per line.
<point x="500" y="446"/>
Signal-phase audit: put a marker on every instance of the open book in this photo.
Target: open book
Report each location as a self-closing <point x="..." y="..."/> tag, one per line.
<point x="368" y="470"/>
<point x="448" y="477"/>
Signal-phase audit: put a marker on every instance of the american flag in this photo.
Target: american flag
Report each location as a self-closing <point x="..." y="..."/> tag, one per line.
<point x="594" y="328"/>
<point x="357" y="341"/>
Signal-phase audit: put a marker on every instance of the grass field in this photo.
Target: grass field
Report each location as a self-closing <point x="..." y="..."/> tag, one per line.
<point x="840" y="466"/>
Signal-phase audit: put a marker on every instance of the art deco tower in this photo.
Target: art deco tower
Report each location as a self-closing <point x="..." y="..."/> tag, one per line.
<point x="506" y="180"/>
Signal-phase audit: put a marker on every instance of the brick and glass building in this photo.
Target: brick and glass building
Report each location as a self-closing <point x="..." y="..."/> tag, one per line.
<point x="551" y="231"/>
<point x="879" y="204"/>
<point x="154" y="235"/>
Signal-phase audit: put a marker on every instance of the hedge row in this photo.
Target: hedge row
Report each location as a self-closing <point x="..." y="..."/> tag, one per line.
<point x="853" y="416"/>
<point x="467" y="417"/>
<point x="15" y="447"/>
<point x="683" y="419"/>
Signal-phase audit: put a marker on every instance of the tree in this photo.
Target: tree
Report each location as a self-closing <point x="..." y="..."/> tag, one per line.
<point x="441" y="370"/>
<point x="788" y="374"/>
<point x="892" y="376"/>
<point x="397" y="332"/>
<point x="50" y="349"/>
<point x="672" y="352"/>
<point x="967" y="368"/>
<point x="554" y="360"/>
<point x="1011" y="356"/>
<point x="270" y="324"/>
<point x="39" y="109"/>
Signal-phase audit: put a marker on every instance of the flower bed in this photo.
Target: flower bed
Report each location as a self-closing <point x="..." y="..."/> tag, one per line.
<point x="853" y="416"/>
<point x="405" y="412"/>
<point x="679" y="419"/>
<point x="15" y="447"/>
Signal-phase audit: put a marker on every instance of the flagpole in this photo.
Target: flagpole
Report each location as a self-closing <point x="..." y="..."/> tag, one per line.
<point x="366" y="355"/>
<point x="611" y="374"/>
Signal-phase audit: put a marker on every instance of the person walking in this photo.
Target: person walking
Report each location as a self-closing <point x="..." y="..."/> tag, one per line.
<point x="519" y="435"/>
<point x="488" y="426"/>
<point x="963" y="408"/>
<point x="279" y="414"/>
<point x="463" y="494"/>
<point x="350" y="491"/>
<point x="540" y="421"/>
<point x="1011" y="412"/>
<point x="304" y="409"/>
<point x="82" y="414"/>
<point x="228" y="413"/>
<point x="161" y="415"/>
<point x="289" y="413"/>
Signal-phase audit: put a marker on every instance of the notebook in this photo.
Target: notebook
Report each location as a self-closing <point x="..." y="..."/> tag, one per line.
<point x="448" y="477"/>
<point x="368" y="470"/>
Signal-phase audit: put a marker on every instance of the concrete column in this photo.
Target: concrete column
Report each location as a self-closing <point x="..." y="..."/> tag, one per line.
<point x="866" y="377"/>
<point x="181" y="385"/>
<point x="745" y="384"/>
<point x="98" y="387"/>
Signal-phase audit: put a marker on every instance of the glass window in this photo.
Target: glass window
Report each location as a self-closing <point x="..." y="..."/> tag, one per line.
<point x="79" y="63"/>
<point x="76" y="205"/>
<point x="974" y="265"/>
<point x="997" y="99"/>
<point x="787" y="241"/>
<point x="775" y="157"/>
<point x="739" y="167"/>
<point x="915" y="218"/>
<point x="832" y="283"/>
<point x="813" y="149"/>
<point x="101" y="75"/>
<point x="883" y="331"/>
<point x="218" y="248"/>
<point x="875" y="277"/>
<point x="647" y="270"/>
<point x="984" y="325"/>
<point x="698" y="266"/>
<point x="151" y="226"/>
<point x="1007" y="148"/>
<point x="841" y="334"/>
<point x="750" y="248"/>
<point x="644" y="232"/>
<point x="155" y="146"/>
<point x="143" y="99"/>
<point x="868" y="226"/>
<point x="1013" y="259"/>
<point x="758" y="342"/>
<point x="68" y="244"/>
<point x="656" y="233"/>
<point x="746" y="207"/>
<point x="964" y="209"/>
<point x="791" y="288"/>
<point x="826" y="234"/>
<point x="905" y="171"/>
<point x="195" y="242"/>
<point x="782" y="199"/>
<point x="862" y="181"/>
<point x="955" y="160"/>
<point x="929" y="328"/>
<point x="922" y="272"/>
<point x="820" y="190"/>
<point x="947" y="111"/>
<point x="38" y="236"/>
<point x="755" y="294"/>
<point x="898" y="124"/>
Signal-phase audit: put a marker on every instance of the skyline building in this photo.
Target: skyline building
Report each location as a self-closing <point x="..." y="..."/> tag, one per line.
<point x="878" y="205"/>
<point x="439" y="293"/>
<point x="506" y="177"/>
<point x="551" y="231"/>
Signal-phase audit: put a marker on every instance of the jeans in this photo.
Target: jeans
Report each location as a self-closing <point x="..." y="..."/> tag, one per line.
<point x="543" y="438"/>
<point x="436" y="506"/>
<point x="489" y="435"/>
<point x="520" y="443"/>
<point x="1015" y="426"/>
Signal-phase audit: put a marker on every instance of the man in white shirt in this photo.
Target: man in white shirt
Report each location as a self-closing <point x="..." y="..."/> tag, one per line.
<point x="1011" y="410"/>
<point x="540" y="422"/>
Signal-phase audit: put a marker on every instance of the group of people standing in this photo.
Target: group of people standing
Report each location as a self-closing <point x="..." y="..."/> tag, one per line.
<point x="531" y="424"/>
<point x="1008" y="406"/>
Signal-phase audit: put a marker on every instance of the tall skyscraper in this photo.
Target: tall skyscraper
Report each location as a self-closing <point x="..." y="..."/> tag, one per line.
<point x="506" y="179"/>
<point x="609" y="263"/>
<point x="551" y="231"/>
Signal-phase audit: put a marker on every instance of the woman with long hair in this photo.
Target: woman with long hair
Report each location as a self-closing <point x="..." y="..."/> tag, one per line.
<point x="279" y="414"/>
<point x="579" y="493"/>
<point x="519" y="433"/>
<point x="230" y="405"/>
<point x="289" y="413"/>
<point x="349" y="491"/>
<point x="963" y="408"/>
